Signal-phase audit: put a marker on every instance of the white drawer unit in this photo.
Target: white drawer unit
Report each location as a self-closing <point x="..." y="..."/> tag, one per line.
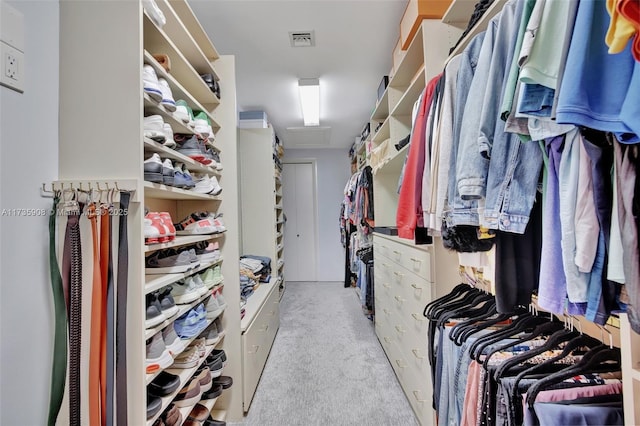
<point x="405" y="282"/>
<point x="257" y="341"/>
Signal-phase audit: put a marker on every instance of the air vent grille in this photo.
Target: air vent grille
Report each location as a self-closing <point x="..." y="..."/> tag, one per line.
<point x="302" y="38"/>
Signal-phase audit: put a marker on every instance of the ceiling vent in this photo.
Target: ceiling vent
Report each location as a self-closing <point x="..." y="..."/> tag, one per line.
<point x="302" y="38"/>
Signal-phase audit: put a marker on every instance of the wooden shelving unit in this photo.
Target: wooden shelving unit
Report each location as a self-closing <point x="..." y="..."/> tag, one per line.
<point x="120" y="156"/>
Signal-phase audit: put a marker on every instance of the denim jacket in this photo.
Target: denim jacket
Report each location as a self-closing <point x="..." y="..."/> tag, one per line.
<point x="457" y="210"/>
<point x="494" y="167"/>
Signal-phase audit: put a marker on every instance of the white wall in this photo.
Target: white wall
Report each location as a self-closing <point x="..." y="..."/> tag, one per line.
<point x="333" y="170"/>
<point x="28" y="158"/>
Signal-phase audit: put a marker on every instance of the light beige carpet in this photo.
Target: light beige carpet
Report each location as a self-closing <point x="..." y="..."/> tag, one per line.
<point x="326" y="366"/>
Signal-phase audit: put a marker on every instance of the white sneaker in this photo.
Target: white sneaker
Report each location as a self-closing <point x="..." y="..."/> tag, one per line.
<point x="168" y="172"/>
<point x="182" y="114"/>
<point x="150" y="83"/>
<point x="154" y="128"/>
<point x="202" y="126"/>
<point x="154" y="12"/>
<point x="213" y="308"/>
<point x="212" y="136"/>
<point x="200" y="285"/>
<point x="185" y="292"/>
<point x="204" y="185"/>
<point x="220" y="299"/>
<point x="217" y="189"/>
<point x="168" y="136"/>
<point x="167" y="97"/>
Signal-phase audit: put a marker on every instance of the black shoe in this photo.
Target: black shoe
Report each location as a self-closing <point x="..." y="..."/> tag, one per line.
<point x="213" y="393"/>
<point x="224" y="381"/>
<point x="164" y="384"/>
<point x="154" y="404"/>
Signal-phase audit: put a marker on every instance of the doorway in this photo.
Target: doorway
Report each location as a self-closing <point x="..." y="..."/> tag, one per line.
<point x="300" y="231"/>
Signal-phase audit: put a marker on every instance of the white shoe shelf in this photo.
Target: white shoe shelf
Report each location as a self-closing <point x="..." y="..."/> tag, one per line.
<point x="119" y="152"/>
<point x="261" y="235"/>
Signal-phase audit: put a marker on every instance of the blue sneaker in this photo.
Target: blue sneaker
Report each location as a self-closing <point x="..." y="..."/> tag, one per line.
<point x="188" y="325"/>
<point x="179" y="180"/>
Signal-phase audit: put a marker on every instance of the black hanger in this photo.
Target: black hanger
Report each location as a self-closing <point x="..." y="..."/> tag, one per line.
<point x="472" y="329"/>
<point x="553" y="341"/>
<point x="481" y="313"/>
<point x="540" y="330"/>
<point x="599" y="359"/>
<point x="455" y="292"/>
<point x="465" y="309"/>
<point x="463" y="299"/>
<point x="580" y="341"/>
<point x="524" y="322"/>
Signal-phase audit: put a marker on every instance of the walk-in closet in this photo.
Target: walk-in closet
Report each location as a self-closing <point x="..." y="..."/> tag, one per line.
<point x="274" y="212"/>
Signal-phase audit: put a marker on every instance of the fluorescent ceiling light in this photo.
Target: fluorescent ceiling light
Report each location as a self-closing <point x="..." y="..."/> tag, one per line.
<point x="310" y="100"/>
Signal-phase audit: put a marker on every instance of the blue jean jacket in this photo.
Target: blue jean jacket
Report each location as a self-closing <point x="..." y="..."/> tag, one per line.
<point x="493" y="167"/>
<point x="459" y="211"/>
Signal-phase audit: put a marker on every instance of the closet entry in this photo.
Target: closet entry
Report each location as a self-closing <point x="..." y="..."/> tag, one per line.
<point x="300" y="236"/>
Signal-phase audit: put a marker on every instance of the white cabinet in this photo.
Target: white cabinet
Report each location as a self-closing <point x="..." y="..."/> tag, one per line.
<point x="406" y="280"/>
<point x="262" y="221"/>
<point x="101" y="140"/>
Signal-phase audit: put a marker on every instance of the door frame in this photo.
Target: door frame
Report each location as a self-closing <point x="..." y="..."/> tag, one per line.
<point x="316" y="234"/>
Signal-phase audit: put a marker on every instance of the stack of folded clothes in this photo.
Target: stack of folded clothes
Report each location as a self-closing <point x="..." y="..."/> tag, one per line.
<point x="259" y="265"/>
<point x="248" y="282"/>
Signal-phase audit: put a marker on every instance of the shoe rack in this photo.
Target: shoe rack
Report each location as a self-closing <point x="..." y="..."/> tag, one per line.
<point x="102" y="106"/>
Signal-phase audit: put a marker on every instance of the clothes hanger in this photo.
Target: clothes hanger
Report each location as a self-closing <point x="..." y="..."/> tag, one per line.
<point x="472" y="329"/>
<point x="464" y="310"/>
<point x="455" y="292"/>
<point x="539" y="330"/>
<point x="461" y="299"/>
<point x="562" y="335"/>
<point x="484" y="312"/>
<point x="582" y="340"/>
<point x="599" y="359"/>
<point x="476" y="324"/>
<point x="523" y="323"/>
<point x="468" y="299"/>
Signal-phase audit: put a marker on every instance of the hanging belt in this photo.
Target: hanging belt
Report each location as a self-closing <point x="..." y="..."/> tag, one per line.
<point x="94" y="395"/>
<point x="59" y="368"/>
<point x="72" y="280"/>
<point x="121" y="312"/>
<point x="106" y="356"/>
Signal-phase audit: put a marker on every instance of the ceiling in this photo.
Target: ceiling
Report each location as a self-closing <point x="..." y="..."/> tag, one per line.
<point x="353" y="48"/>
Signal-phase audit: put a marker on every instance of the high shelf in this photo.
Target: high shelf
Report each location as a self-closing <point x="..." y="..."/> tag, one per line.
<point x="259" y="151"/>
<point x="407" y="276"/>
<point x="117" y="152"/>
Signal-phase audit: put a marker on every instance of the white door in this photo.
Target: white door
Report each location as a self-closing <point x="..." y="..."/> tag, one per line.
<point x="299" y="195"/>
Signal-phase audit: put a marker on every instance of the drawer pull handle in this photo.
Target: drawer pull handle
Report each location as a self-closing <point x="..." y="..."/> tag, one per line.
<point x="386" y="285"/>
<point x="272" y="313"/>
<point x="416" y="287"/>
<point x="416" y="260"/>
<point x="398" y="274"/>
<point x="396" y="252"/>
<point x="399" y="299"/>
<point x="417" y="317"/>
<point x="384" y="247"/>
<point x="386" y="311"/>
<point x="255" y="350"/>
<point x="416" y="354"/>
<point x="417" y="397"/>
<point x="399" y="329"/>
<point x="400" y="364"/>
<point x="386" y="339"/>
<point x="385" y="265"/>
<point x="266" y="327"/>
